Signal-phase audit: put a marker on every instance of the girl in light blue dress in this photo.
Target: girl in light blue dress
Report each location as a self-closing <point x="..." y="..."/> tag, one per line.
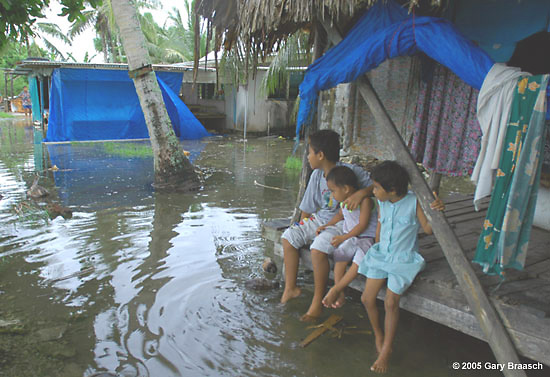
<point x="394" y="257"/>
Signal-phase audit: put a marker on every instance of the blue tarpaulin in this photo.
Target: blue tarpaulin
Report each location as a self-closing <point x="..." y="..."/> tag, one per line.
<point x="384" y="32"/>
<point x="498" y="25"/>
<point x="94" y="104"/>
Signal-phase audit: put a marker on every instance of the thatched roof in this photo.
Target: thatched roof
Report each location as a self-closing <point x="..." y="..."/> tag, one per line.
<point x="263" y="23"/>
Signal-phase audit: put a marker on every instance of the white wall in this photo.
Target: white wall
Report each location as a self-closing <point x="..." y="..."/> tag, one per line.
<point x="542" y="212"/>
<point x="261" y="112"/>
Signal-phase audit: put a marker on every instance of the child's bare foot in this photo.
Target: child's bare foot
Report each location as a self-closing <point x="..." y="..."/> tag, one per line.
<point x="340" y="302"/>
<point x="308" y="318"/>
<point x="381" y="364"/>
<point x="312" y="314"/>
<point x="330" y="298"/>
<point x="289" y="294"/>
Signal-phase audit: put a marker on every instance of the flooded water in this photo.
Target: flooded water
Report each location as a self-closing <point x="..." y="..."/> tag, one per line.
<point x="139" y="283"/>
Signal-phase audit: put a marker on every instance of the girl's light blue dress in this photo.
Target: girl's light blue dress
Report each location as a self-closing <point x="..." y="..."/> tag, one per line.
<point x="396" y="256"/>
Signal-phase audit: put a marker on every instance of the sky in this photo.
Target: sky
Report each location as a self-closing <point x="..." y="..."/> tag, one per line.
<point x="85" y="41"/>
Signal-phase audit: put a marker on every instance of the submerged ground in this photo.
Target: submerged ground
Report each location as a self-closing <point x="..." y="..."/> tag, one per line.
<point x="139" y="283"/>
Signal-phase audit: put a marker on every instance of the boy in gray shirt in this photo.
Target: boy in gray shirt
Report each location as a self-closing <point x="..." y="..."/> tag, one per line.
<point x="318" y="207"/>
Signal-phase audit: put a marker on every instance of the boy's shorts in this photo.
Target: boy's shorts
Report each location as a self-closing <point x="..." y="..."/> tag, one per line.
<point x="353" y="249"/>
<point x="301" y="234"/>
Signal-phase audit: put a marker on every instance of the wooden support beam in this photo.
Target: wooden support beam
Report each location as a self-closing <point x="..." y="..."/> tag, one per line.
<point x="435" y="181"/>
<point x="319" y="45"/>
<point x="489" y="320"/>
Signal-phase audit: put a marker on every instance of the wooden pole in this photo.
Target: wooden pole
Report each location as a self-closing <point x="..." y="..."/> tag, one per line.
<point x="435" y="181"/>
<point x="319" y="44"/>
<point x="479" y="303"/>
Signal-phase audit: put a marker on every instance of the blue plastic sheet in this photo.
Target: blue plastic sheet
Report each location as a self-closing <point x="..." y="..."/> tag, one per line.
<point x="384" y="32"/>
<point x="93" y="104"/>
<point x="498" y="25"/>
<point x="35" y="102"/>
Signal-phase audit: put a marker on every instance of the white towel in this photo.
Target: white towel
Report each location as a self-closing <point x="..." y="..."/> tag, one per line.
<point x="493" y="111"/>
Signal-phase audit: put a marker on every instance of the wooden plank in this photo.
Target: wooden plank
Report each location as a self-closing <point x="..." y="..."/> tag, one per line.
<point x="484" y="311"/>
<point x="539" y="269"/>
<point x="273" y="229"/>
<point x="529" y="327"/>
<point x="323" y="328"/>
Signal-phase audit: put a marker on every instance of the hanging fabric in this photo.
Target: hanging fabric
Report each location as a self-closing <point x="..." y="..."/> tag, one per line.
<point x="493" y="111"/>
<point x="505" y="234"/>
<point x="384" y="32"/>
<point x="446" y="134"/>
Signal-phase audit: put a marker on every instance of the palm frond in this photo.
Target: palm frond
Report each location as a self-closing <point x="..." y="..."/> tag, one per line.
<point x="52" y="30"/>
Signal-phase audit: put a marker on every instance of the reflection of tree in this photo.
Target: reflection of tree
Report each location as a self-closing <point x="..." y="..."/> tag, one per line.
<point x="140" y="335"/>
<point x="15" y="145"/>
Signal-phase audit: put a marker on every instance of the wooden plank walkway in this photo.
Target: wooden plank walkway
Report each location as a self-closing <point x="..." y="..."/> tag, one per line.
<point x="522" y="301"/>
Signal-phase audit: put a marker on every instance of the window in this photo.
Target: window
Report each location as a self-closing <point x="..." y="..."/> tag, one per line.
<point x="288" y="90"/>
<point x="207" y="91"/>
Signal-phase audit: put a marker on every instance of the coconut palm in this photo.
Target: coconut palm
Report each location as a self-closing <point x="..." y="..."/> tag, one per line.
<point x="44" y="31"/>
<point x="172" y="168"/>
<point x="102" y="19"/>
<point x="292" y="52"/>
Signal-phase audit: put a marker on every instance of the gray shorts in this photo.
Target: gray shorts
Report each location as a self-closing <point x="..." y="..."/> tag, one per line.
<point x="302" y="234"/>
<point x="353" y="249"/>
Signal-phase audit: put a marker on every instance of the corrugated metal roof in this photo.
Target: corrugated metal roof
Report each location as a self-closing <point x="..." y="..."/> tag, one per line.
<point x="28" y="66"/>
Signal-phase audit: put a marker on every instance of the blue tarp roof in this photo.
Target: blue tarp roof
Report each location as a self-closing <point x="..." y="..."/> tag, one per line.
<point x="94" y="104"/>
<point x="498" y="25"/>
<point x="384" y="32"/>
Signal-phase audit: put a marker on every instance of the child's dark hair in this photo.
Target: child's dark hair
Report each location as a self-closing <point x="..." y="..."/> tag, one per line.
<point x="342" y="176"/>
<point x="392" y="177"/>
<point x="328" y="142"/>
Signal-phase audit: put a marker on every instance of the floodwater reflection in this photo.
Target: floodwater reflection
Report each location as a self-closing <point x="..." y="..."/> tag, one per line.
<point x="140" y="283"/>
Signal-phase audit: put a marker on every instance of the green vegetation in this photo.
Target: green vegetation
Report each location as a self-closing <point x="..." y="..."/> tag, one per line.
<point x="129" y="150"/>
<point x="18" y="17"/>
<point x="6" y="115"/>
<point x="293" y="163"/>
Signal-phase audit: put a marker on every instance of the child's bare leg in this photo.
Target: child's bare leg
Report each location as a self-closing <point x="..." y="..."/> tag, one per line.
<point x="335" y="297"/>
<point x="368" y="298"/>
<point x="391" y="305"/>
<point x="320" y="278"/>
<point x="291" y="261"/>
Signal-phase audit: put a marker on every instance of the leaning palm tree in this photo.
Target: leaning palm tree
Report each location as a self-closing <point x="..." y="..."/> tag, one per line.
<point x="172" y="168"/>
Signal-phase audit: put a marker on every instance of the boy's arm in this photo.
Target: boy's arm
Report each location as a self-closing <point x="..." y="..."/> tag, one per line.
<point x="357" y="197"/>
<point x="311" y="200"/>
<point x="304" y="215"/>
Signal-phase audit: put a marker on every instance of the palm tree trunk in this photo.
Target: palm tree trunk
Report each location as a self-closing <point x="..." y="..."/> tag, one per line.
<point x="172" y="169"/>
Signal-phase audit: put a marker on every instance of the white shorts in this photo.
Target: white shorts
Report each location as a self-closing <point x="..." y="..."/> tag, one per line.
<point x="353" y="249"/>
<point x="301" y="234"/>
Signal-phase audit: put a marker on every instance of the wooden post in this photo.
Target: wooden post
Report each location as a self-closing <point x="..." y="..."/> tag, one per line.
<point x="435" y="181"/>
<point x="479" y="303"/>
<point x="318" y="48"/>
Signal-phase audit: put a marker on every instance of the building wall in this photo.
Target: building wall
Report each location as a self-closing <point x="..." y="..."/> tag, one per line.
<point x="344" y="110"/>
<point x="248" y="103"/>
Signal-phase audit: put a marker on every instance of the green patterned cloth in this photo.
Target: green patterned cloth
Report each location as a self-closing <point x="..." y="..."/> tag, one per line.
<point x="505" y="235"/>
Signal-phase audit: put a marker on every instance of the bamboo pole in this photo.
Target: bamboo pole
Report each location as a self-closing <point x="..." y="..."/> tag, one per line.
<point x="489" y="320"/>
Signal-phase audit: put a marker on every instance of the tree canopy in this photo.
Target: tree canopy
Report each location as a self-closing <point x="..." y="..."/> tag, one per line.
<point x="17" y="16"/>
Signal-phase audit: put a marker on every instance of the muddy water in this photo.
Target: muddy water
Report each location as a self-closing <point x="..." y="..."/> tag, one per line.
<point x="139" y="283"/>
